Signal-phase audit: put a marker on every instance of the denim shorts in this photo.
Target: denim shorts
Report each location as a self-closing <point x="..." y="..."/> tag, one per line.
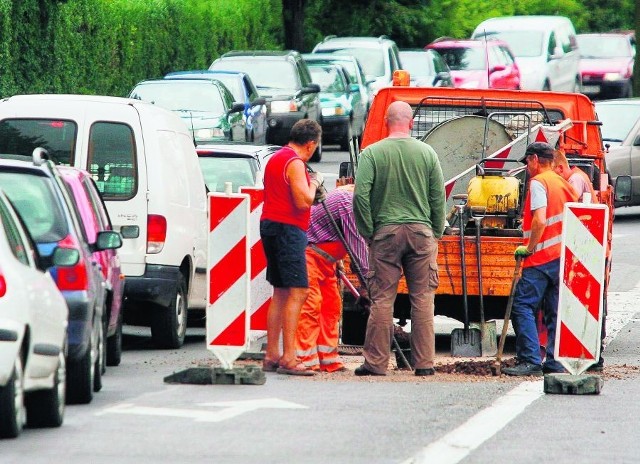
<point x="284" y="247"/>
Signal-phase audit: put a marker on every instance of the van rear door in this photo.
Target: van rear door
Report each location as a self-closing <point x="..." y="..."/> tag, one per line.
<point x="113" y="153"/>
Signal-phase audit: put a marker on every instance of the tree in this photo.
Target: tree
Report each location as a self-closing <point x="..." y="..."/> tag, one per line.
<point x="293" y="20"/>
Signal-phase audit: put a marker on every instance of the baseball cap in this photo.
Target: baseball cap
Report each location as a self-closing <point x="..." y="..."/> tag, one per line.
<point x="542" y="149"/>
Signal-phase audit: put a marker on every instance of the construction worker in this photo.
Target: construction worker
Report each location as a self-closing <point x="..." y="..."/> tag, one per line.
<point x="574" y="175"/>
<point x="289" y="192"/>
<point x="318" y="326"/>
<point x="542" y="227"/>
<point x="399" y="202"/>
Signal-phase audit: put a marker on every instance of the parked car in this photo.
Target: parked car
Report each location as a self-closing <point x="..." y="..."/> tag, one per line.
<point x="146" y="168"/>
<point x="38" y="194"/>
<point x="205" y="105"/>
<point x="379" y="57"/>
<point x="621" y="135"/>
<point x="95" y="218"/>
<point x="353" y="67"/>
<point x="479" y="64"/>
<point x="283" y="78"/>
<point x="343" y="111"/>
<point x="544" y="47"/>
<point x="33" y="329"/>
<point x="427" y="68"/>
<point x="244" y="91"/>
<point x="240" y="164"/>
<point x="606" y="64"/>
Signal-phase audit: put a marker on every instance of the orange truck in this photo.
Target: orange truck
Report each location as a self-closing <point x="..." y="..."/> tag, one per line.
<point x="479" y="134"/>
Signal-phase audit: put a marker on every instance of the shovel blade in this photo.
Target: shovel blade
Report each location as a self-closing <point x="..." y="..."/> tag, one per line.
<point x="489" y="335"/>
<point x="466" y="343"/>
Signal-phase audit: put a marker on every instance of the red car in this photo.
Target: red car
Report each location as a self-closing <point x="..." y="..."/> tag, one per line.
<point x="94" y="218"/>
<point x="606" y="64"/>
<point x="479" y="64"/>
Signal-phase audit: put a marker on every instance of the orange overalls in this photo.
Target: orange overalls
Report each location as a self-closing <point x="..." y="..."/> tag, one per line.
<point x="318" y="330"/>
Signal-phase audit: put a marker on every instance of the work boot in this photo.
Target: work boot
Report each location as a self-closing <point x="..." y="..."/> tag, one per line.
<point x="548" y="370"/>
<point x="426" y="371"/>
<point x="524" y="368"/>
<point x="362" y="371"/>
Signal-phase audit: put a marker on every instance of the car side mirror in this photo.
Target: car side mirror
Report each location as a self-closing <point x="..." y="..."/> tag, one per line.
<point x="622" y="189"/>
<point x="311" y="88"/>
<point x="65" y="257"/>
<point x="108" y="240"/>
<point x="236" y="108"/>
<point x="259" y="101"/>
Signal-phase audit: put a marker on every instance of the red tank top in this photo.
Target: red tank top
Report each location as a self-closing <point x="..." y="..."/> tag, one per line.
<point x="278" y="199"/>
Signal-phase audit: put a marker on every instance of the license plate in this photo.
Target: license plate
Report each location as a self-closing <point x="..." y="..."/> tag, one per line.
<point x="590" y="88"/>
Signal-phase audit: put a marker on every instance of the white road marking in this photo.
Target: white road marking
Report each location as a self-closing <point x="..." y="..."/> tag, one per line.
<point x="457" y="444"/>
<point x="230" y="409"/>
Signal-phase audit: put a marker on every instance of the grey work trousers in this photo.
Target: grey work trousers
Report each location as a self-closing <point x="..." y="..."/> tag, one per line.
<point x="395" y="248"/>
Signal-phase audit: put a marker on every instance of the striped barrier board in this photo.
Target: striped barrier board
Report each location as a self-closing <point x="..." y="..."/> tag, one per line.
<point x="582" y="281"/>
<point x="228" y="276"/>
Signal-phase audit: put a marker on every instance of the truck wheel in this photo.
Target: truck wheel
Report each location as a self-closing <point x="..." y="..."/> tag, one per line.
<point x="12" y="415"/>
<point x="80" y="378"/>
<point x="45" y="408"/>
<point x="169" y="325"/>
<point x="114" y="345"/>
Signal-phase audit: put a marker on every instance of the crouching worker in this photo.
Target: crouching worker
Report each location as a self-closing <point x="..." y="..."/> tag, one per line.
<point x="318" y="333"/>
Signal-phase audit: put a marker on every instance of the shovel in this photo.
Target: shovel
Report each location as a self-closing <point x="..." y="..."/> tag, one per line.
<point x="487" y="329"/>
<point x="465" y="342"/>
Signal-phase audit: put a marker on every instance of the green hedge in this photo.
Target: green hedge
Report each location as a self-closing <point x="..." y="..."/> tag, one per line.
<point x="107" y="46"/>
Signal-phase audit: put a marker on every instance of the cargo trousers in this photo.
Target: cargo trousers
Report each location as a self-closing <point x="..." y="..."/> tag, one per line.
<point x="394" y="249"/>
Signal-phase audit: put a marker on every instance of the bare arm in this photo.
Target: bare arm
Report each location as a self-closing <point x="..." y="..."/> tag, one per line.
<point x="301" y="191"/>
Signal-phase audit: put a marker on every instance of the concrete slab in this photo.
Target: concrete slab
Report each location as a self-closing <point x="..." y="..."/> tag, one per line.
<point x="567" y="384"/>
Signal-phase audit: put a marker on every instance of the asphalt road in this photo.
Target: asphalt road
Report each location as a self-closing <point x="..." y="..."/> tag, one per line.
<point x="339" y="418"/>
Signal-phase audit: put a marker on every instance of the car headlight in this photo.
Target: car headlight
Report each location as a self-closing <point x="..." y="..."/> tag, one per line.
<point x="612" y="76"/>
<point x="280" y="106"/>
<point x="209" y="133"/>
<point x="333" y="111"/>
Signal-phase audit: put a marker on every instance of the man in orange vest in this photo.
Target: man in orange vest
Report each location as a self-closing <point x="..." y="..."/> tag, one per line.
<point x="542" y="228"/>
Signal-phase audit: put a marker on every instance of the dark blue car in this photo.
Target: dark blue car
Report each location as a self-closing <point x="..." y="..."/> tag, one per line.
<point x="243" y="91"/>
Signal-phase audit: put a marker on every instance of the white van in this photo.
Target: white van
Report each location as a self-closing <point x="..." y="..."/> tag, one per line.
<point x="545" y="49"/>
<point x="146" y="168"/>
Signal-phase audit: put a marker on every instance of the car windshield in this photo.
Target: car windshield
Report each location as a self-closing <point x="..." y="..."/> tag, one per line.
<point x="463" y="59"/>
<point x="265" y="74"/>
<point x="181" y="96"/>
<point x="371" y="59"/>
<point x="21" y="136"/>
<point x="232" y="82"/>
<point x="327" y="78"/>
<point x="217" y="170"/>
<point x="599" y="46"/>
<point x="417" y="63"/>
<point x="522" y="43"/>
<point x="34" y="198"/>
<point x="617" y="120"/>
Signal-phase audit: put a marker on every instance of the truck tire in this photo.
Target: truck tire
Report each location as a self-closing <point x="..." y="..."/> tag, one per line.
<point x="12" y="402"/>
<point x="45" y="408"/>
<point x="169" y="325"/>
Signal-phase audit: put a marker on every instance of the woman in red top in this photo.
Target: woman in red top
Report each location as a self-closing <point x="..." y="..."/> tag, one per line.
<point x="289" y="192"/>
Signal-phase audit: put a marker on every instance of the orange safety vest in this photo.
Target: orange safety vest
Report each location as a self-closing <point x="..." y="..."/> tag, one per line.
<point x="559" y="192"/>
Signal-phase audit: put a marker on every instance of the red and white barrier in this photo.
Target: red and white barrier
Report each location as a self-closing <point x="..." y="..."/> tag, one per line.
<point x="261" y="290"/>
<point x="582" y="281"/>
<point x="228" y="275"/>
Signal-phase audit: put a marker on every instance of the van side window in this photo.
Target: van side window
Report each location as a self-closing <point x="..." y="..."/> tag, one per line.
<point x="112" y="160"/>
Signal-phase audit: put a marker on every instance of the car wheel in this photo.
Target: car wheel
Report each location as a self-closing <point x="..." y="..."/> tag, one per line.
<point x="101" y="358"/>
<point x="80" y="380"/>
<point x="45" y="408"/>
<point x="114" y="345"/>
<point x="344" y="143"/>
<point x="12" y="412"/>
<point x="169" y="325"/>
<point x="317" y="155"/>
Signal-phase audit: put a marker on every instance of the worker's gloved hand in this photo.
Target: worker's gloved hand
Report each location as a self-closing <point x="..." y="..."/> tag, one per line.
<point x="321" y="195"/>
<point x="363" y="303"/>
<point x="522" y="251"/>
<point x="316" y="178"/>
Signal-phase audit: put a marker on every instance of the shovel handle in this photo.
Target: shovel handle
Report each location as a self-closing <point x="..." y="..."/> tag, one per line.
<point x="507" y="313"/>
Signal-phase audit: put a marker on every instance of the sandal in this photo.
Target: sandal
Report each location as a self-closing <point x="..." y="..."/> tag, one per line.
<point x="269" y="366"/>
<point x="298" y="369"/>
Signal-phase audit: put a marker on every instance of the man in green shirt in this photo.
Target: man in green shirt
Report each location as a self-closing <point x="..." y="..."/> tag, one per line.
<point x="399" y="204"/>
